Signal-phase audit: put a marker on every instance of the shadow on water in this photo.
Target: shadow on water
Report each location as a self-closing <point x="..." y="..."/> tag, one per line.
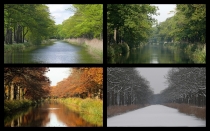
<point x="153" y="54"/>
<point x="49" y="114"/>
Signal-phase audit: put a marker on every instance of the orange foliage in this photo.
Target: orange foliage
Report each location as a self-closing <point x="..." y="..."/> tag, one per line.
<point x="83" y="82"/>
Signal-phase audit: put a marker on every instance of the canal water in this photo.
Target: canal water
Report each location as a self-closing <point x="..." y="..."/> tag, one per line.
<point x="59" y="52"/>
<point x="48" y="114"/>
<point x="153" y="54"/>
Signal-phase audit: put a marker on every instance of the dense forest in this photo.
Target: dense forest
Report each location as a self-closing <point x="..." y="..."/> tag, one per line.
<point x="129" y="23"/>
<point x="31" y="83"/>
<point x="34" y="23"/>
<point x="125" y="86"/>
<point x="185" y="85"/>
<point x="87" y="22"/>
<point x="187" y="25"/>
<point x="26" y="83"/>
<point x="27" y="22"/>
<point x="84" y="83"/>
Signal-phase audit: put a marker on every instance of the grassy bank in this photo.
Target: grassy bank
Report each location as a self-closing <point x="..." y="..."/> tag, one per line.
<point x="11" y="106"/>
<point x="117" y="110"/>
<point x="199" y="112"/>
<point x="20" y="47"/>
<point x="91" y="110"/>
<point x="196" y="52"/>
<point x="183" y="108"/>
<point x="94" y="47"/>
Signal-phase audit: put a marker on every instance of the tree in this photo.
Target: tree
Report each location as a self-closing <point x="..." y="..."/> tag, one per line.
<point x="130" y="23"/>
<point x="87" y="22"/>
<point x="83" y="82"/>
<point x="25" y="82"/>
<point x="186" y="85"/>
<point x="27" y="21"/>
<point x="125" y="86"/>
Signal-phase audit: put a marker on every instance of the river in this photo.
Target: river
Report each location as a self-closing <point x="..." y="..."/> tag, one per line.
<point x="48" y="114"/>
<point x="59" y="52"/>
<point x="155" y="54"/>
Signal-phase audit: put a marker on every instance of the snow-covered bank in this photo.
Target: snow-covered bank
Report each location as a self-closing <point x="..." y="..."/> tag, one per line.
<point x="155" y="116"/>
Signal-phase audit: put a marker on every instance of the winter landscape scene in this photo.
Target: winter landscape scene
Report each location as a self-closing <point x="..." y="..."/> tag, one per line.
<point x="156" y="97"/>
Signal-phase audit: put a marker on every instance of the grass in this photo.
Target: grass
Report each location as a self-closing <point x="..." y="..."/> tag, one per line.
<point x="94" y="47"/>
<point x="91" y="110"/>
<point x="196" y="52"/>
<point x="199" y="112"/>
<point x="11" y="106"/>
<point x="117" y="110"/>
<point x="20" y="47"/>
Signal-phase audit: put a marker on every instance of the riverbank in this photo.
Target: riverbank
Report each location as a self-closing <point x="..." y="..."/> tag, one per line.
<point x="117" y="110"/>
<point x="94" y="47"/>
<point x="183" y="108"/>
<point x="12" y="106"/>
<point x="196" y="51"/>
<point x="20" y="47"/>
<point x="91" y="110"/>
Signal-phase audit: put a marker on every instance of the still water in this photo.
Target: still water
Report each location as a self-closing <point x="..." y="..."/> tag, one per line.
<point x="49" y="114"/>
<point x="59" y="52"/>
<point x="152" y="54"/>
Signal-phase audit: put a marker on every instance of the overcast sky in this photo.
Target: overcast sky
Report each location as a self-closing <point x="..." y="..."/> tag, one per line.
<point x="57" y="74"/>
<point x="59" y="12"/>
<point x="164" y="10"/>
<point x="155" y="76"/>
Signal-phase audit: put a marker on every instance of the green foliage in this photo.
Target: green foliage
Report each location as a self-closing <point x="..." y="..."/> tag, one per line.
<point x="110" y="52"/>
<point x="199" y="56"/>
<point x="90" y="109"/>
<point x="117" y="49"/>
<point x="11" y="106"/>
<point x="34" y="19"/>
<point x="187" y="25"/>
<point x="125" y="48"/>
<point x="87" y="22"/>
<point x="131" y="21"/>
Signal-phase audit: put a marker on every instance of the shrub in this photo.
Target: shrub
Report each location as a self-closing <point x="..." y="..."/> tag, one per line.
<point x="125" y="48"/>
<point x="117" y="49"/>
<point x="110" y="51"/>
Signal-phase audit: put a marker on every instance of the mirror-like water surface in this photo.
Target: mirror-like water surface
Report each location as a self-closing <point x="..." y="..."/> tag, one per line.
<point x="151" y="54"/>
<point x="60" y="52"/>
<point x="47" y="115"/>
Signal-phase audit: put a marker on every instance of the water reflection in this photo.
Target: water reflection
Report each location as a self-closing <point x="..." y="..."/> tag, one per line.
<point x="151" y="54"/>
<point x="47" y="115"/>
<point x="54" y="121"/>
<point x="60" y="52"/>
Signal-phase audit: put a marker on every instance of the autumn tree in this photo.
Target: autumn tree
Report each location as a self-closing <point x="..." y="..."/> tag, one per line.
<point x="25" y="82"/>
<point x="83" y="82"/>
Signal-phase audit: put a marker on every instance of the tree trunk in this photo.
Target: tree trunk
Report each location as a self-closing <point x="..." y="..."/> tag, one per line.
<point x="12" y="92"/>
<point x="8" y="39"/>
<point x="20" y="93"/>
<point x="115" y="34"/>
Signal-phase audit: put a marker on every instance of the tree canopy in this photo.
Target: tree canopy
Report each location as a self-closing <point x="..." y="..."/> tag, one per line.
<point x="187" y="25"/>
<point x="25" y="82"/>
<point x="129" y="23"/>
<point x="83" y="82"/>
<point x="31" y="22"/>
<point x="87" y="22"/>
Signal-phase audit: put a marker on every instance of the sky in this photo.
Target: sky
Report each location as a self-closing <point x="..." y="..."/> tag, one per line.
<point x="164" y="9"/>
<point x="57" y="74"/>
<point x="59" y="12"/>
<point x="156" y="77"/>
<point x="155" y="116"/>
